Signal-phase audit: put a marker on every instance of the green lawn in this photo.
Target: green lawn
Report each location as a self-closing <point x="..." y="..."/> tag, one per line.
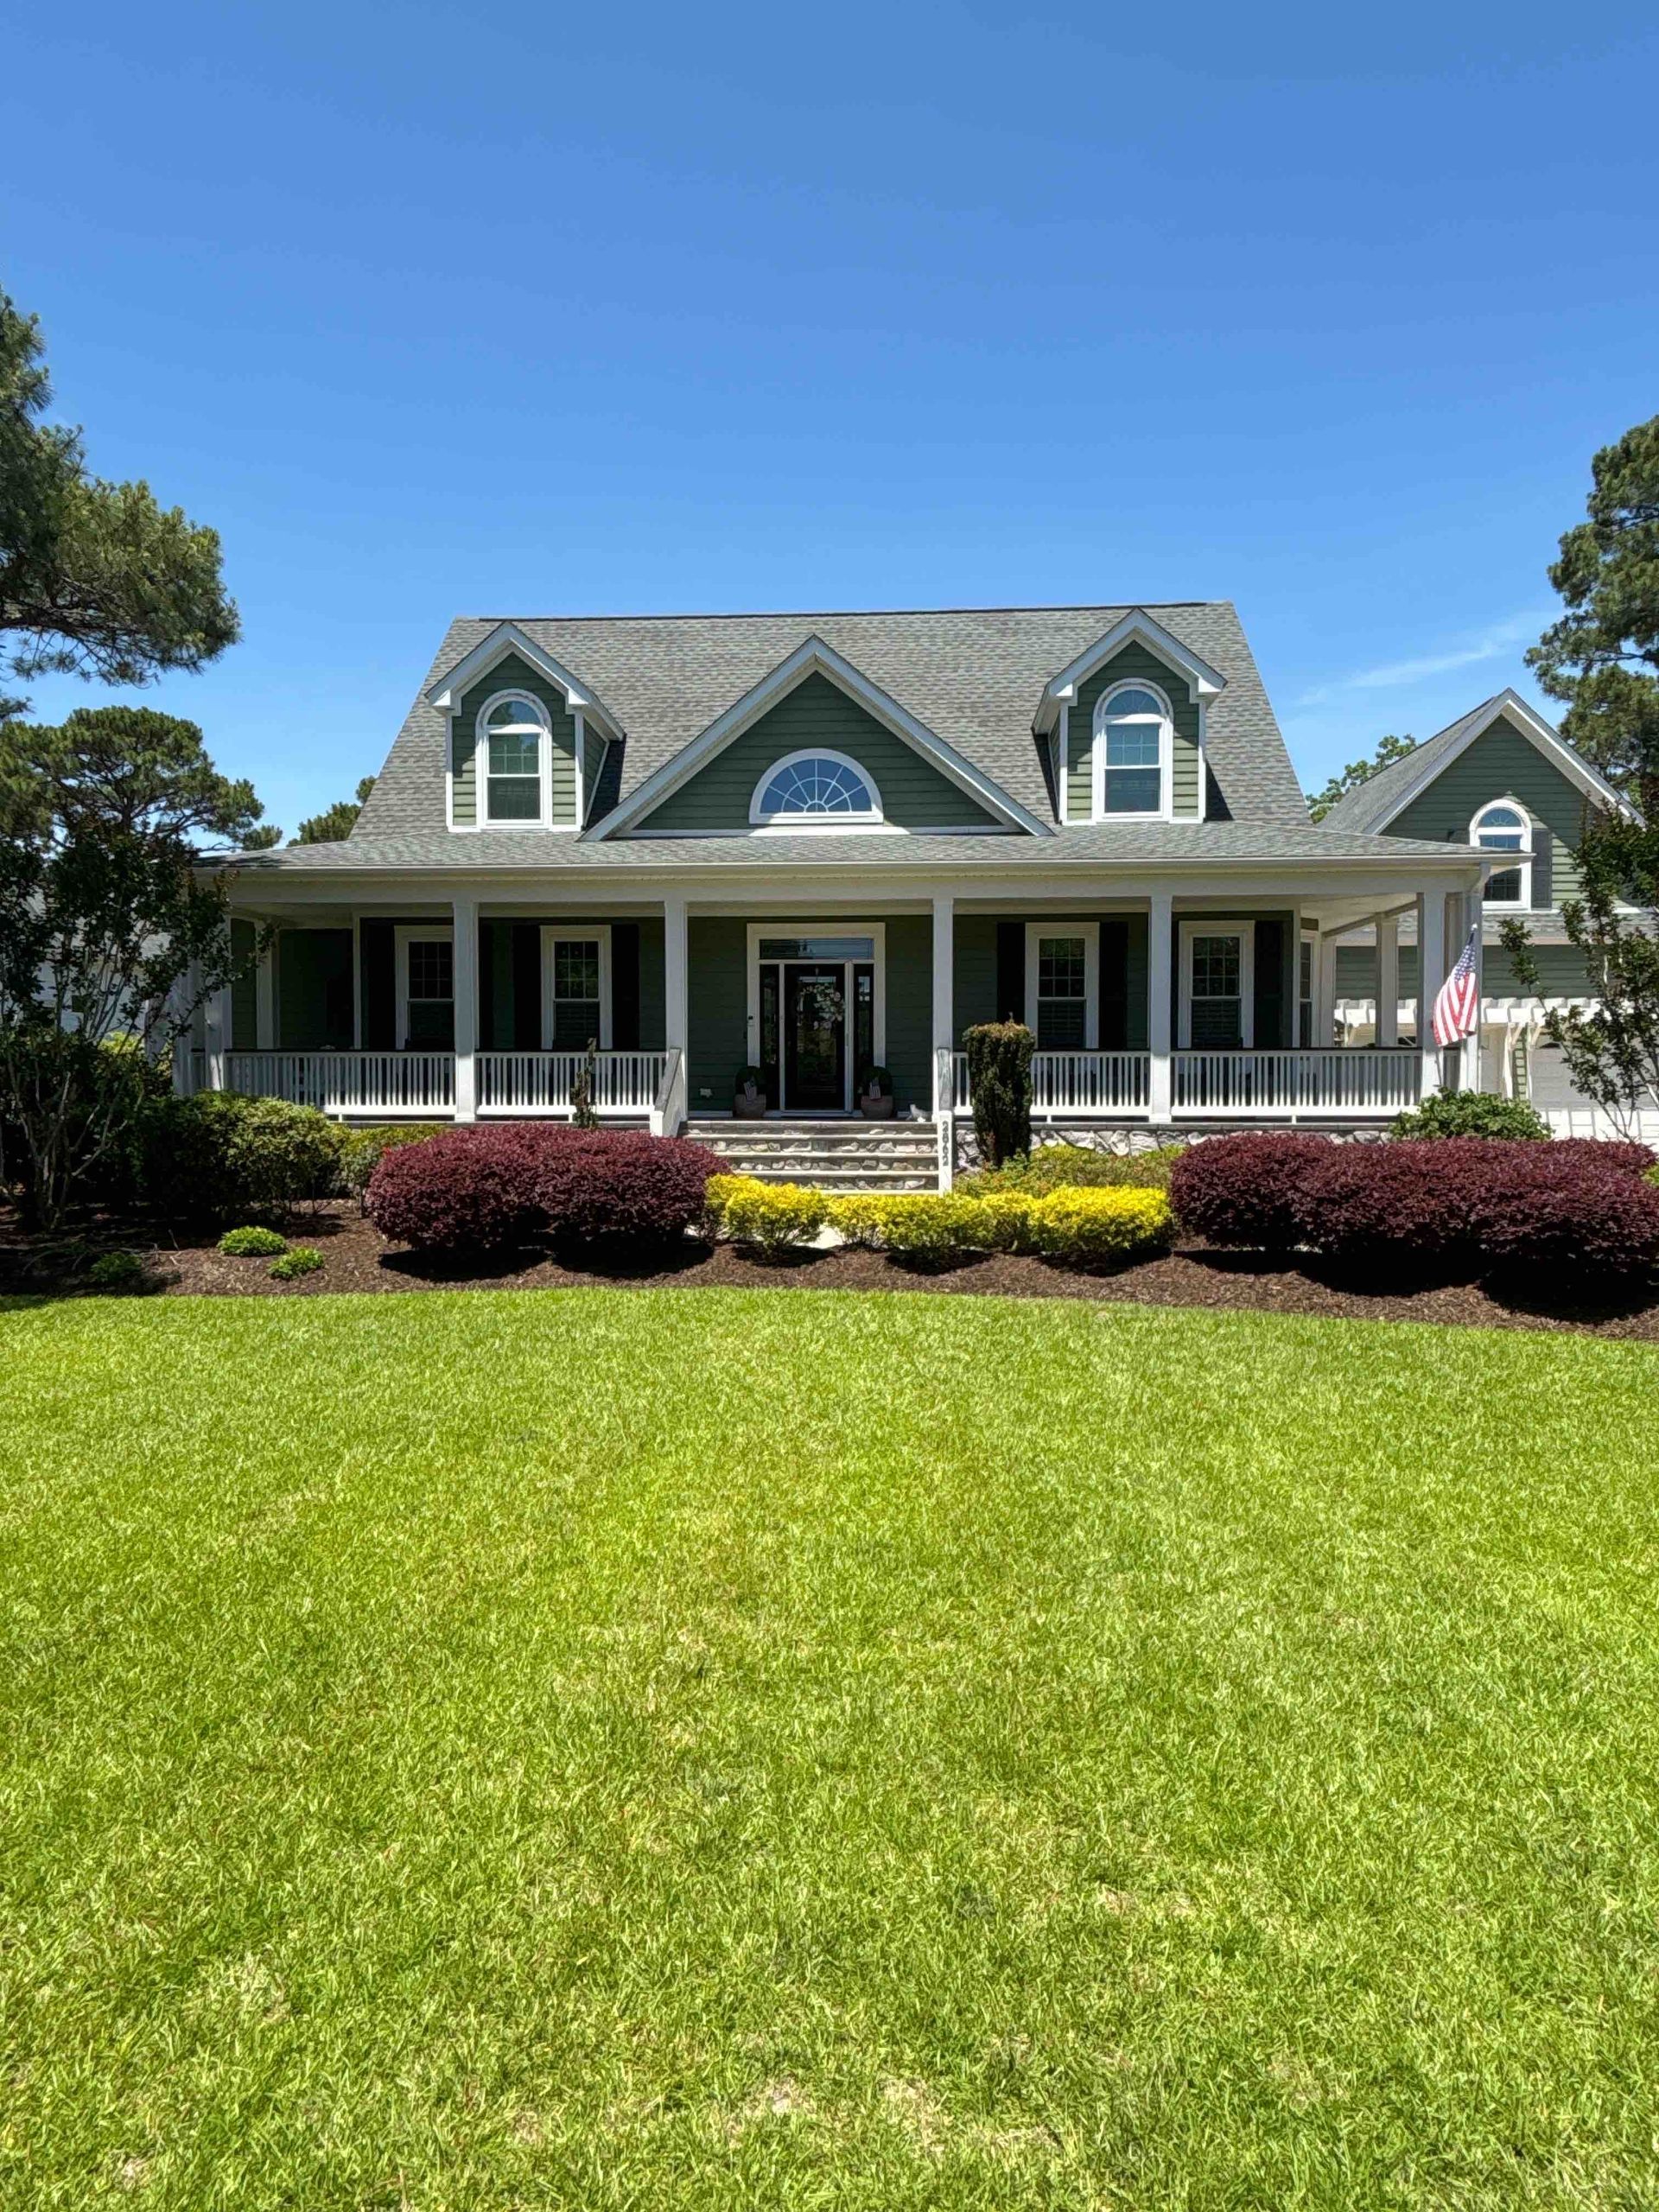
<point x="768" y="1749"/>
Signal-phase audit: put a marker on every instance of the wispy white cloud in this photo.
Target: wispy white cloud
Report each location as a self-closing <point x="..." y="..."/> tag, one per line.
<point x="1499" y="638"/>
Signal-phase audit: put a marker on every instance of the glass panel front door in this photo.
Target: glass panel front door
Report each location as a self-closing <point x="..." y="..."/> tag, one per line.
<point x="814" y="1036"/>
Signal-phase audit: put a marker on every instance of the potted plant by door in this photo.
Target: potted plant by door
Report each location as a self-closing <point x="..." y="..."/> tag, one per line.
<point x="875" y="1095"/>
<point x="748" y="1100"/>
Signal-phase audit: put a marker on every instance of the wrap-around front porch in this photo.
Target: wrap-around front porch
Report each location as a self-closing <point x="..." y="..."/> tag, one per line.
<point x="1161" y="1011"/>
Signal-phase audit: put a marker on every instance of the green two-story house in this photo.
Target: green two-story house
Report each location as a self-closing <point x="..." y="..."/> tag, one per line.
<point x="758" y="856"/>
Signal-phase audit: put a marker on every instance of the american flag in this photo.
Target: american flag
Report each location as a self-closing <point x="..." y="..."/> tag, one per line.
<point x="1456" y="1010"/>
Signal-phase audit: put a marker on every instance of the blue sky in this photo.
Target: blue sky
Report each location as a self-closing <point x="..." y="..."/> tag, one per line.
<point x="519" y="310"/>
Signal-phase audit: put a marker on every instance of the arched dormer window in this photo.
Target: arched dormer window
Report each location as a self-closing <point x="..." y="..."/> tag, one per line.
<point x="1506" y="827"/>
<point x="512" y="734"/>
<point x="1133" y="745"/>
<point x="815" y="790"/>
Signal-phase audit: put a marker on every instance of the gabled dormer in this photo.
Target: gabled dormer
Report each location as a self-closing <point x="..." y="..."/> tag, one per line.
<point x="816" y="748"/>
<point x="1124" y="724"/>
<point x="527" y="738"/>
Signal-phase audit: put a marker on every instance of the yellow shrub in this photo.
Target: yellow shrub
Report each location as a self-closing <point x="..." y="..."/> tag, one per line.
<point x="858" y="1218"/>
<point x="931" y="1224"/>
<point x="718" y="1192"/>
<point x="775" y="1216"/>
<point x="1093" y="1228"/>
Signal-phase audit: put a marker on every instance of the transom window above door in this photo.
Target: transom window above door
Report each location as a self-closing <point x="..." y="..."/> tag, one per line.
<point x="1506" y="827"/>
<point x="1133" y="743"/>
<point x="815" y="790"/>
<point x="514" y="731"/>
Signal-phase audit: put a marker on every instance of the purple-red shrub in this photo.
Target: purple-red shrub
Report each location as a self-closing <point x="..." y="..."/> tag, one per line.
<point x="622" y="1182"/>
<point x="1240" y="1189"/>
<point x="1410" y="1205"/>
<point x="467" y="1189"/>
<point x="1569" y="1216"/>
<point x="1604" y="1156"/>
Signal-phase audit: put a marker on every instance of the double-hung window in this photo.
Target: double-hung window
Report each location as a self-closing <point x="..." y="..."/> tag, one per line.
<point x="1063" y="985"/>
<point x="576" y="988"/>
<point x="1132" y="752"/>
<point x="1506" y="827"/>
<point x="514" y="735"/>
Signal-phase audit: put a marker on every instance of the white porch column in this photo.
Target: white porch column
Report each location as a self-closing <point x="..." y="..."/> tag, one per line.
<point x="1387" y="979"/>
<point x="944" y="1002"/>
<point x="1431" y="974"/>
<point x="466" y="973"/>
<point x="264" y="988"/>
<point x="1161" y="937"/>
<point x="1325" y="994"/>
<point x="1470" y="1073"/>
<point x="676" y="1018"/>
<point x="216" y="1021"/>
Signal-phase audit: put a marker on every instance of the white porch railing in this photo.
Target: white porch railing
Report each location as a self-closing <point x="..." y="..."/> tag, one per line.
<point x="1078" y="1083"/>
<point x="540" y="1082"/>
<point x="416" y="1084"/>
<point x="1281" y="1086"/>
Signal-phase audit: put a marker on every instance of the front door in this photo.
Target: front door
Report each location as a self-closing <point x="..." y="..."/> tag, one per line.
<point x="814" y="1036"/>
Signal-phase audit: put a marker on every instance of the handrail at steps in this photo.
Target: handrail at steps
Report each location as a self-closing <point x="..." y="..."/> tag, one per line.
<point x="668" y="1107"/>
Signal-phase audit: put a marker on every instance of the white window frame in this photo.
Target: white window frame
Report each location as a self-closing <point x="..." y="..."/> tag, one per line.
<point x="1521" y="859"/>
<point x="1089" y="932"/>
<point x="542" y="819"/>
<point x="815" y="825"/>
<point x="1196" y="927"/>
<point x="404" y="936"/>
<point x="1163" y="810"/>
<point x="571" y="933"/>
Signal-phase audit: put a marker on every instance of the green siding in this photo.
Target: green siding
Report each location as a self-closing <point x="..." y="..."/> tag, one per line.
<point x="914" y="793"/>
<point x="1502" y="763"/>
<point x="244" y="991"/>
<point x="910" y="1010"/>
<point x="1560" y="968"/>
<point x="513" y="675"/>
<point x="1133" y="661"/>
<point x="313" y="991"/>
<point x="975" y="994"/>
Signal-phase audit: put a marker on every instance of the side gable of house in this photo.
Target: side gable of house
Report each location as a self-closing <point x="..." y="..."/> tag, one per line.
<point x="1504" y="763"/>
<point x="816" y="717"/>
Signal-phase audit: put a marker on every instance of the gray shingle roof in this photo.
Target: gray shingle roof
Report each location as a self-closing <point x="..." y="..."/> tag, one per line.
<point x="1374" y="800"/>
<point x="973" y="676"/>
<point x="1091" y="845"/>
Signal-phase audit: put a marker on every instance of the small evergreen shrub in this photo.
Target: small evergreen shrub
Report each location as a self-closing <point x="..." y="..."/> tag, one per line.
<point x="622" y="1184"/>
<point x="201" y="1159"/>
<point x="999" y="1081"/>
<point x="362" y="1150"/>
<point x="1471" y="1113"/>
<point x="303" y="1260"/>
<point x="278" y="1156"/>
<point x="252" y="1243"/>
<point x="774" y="1216"/>
<point x="1239" y="1191"/>
<point x="118" y="1272"/>
<point x="1085" y="1228"/>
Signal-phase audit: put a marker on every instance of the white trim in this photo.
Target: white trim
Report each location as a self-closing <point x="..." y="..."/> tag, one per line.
<point x="581" y="767"/>
<point x="1089" y="932"/>
<point x="1063" y="774"/>
<point x="569" y="934"/>
<point x="814" y="657"/>
<point x="402" y="936"/>
<point x="1203" y="682"/>
<point x="877" y="933"/>
<point x="1521" y="861"/>
<point x="1102" y="714"/>
<point x="1548" y="741"/>
<point x="813" y="823"/>
<point x="507" y="637"/>
<point x="1222" y="925"/>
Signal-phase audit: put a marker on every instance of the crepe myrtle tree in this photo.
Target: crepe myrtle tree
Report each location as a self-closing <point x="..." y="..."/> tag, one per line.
<point x="111" y="933"/>
<point x="1611" y="1047"/>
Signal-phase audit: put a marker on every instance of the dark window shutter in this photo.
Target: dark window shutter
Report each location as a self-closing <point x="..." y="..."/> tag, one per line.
<point x="1114" y="983"/>
<point x="624" y="985"/>
<point x="1011" y="971"/>
<point x="1271" y="1033"/>
<point x="526" y="987"/>
<point x="377" y="950"/>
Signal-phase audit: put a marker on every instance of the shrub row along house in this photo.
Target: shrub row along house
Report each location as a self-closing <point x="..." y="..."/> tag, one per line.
<point x="758" y="856"/>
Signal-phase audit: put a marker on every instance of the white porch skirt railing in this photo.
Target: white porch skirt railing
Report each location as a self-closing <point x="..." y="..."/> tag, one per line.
<point x="417" y="1083"/>
<point x="1079" y="1082"/>
<point x="1286" y="1085"/>
<point x="540" y="1082"/>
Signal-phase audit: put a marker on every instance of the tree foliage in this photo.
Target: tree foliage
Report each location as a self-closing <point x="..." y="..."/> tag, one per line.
<point x="1389" y="748"/>
<point x="1602" y="657"/>
<point x="108" y="930"/>
<point x="1611" y="1048"/>
<point x="337" y="821"/>
<point x="96" y="579"/>
<point x="999" y="1083"/>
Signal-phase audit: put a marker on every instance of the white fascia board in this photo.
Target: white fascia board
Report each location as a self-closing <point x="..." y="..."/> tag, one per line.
<point x="1549" y="742"/>
<point x="1203" y="682"/>
<point x="507" y="637"/>
<point x="812" y="657"/>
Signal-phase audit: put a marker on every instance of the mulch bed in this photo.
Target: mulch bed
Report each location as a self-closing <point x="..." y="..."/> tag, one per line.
<point x="358" y="1258"/>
